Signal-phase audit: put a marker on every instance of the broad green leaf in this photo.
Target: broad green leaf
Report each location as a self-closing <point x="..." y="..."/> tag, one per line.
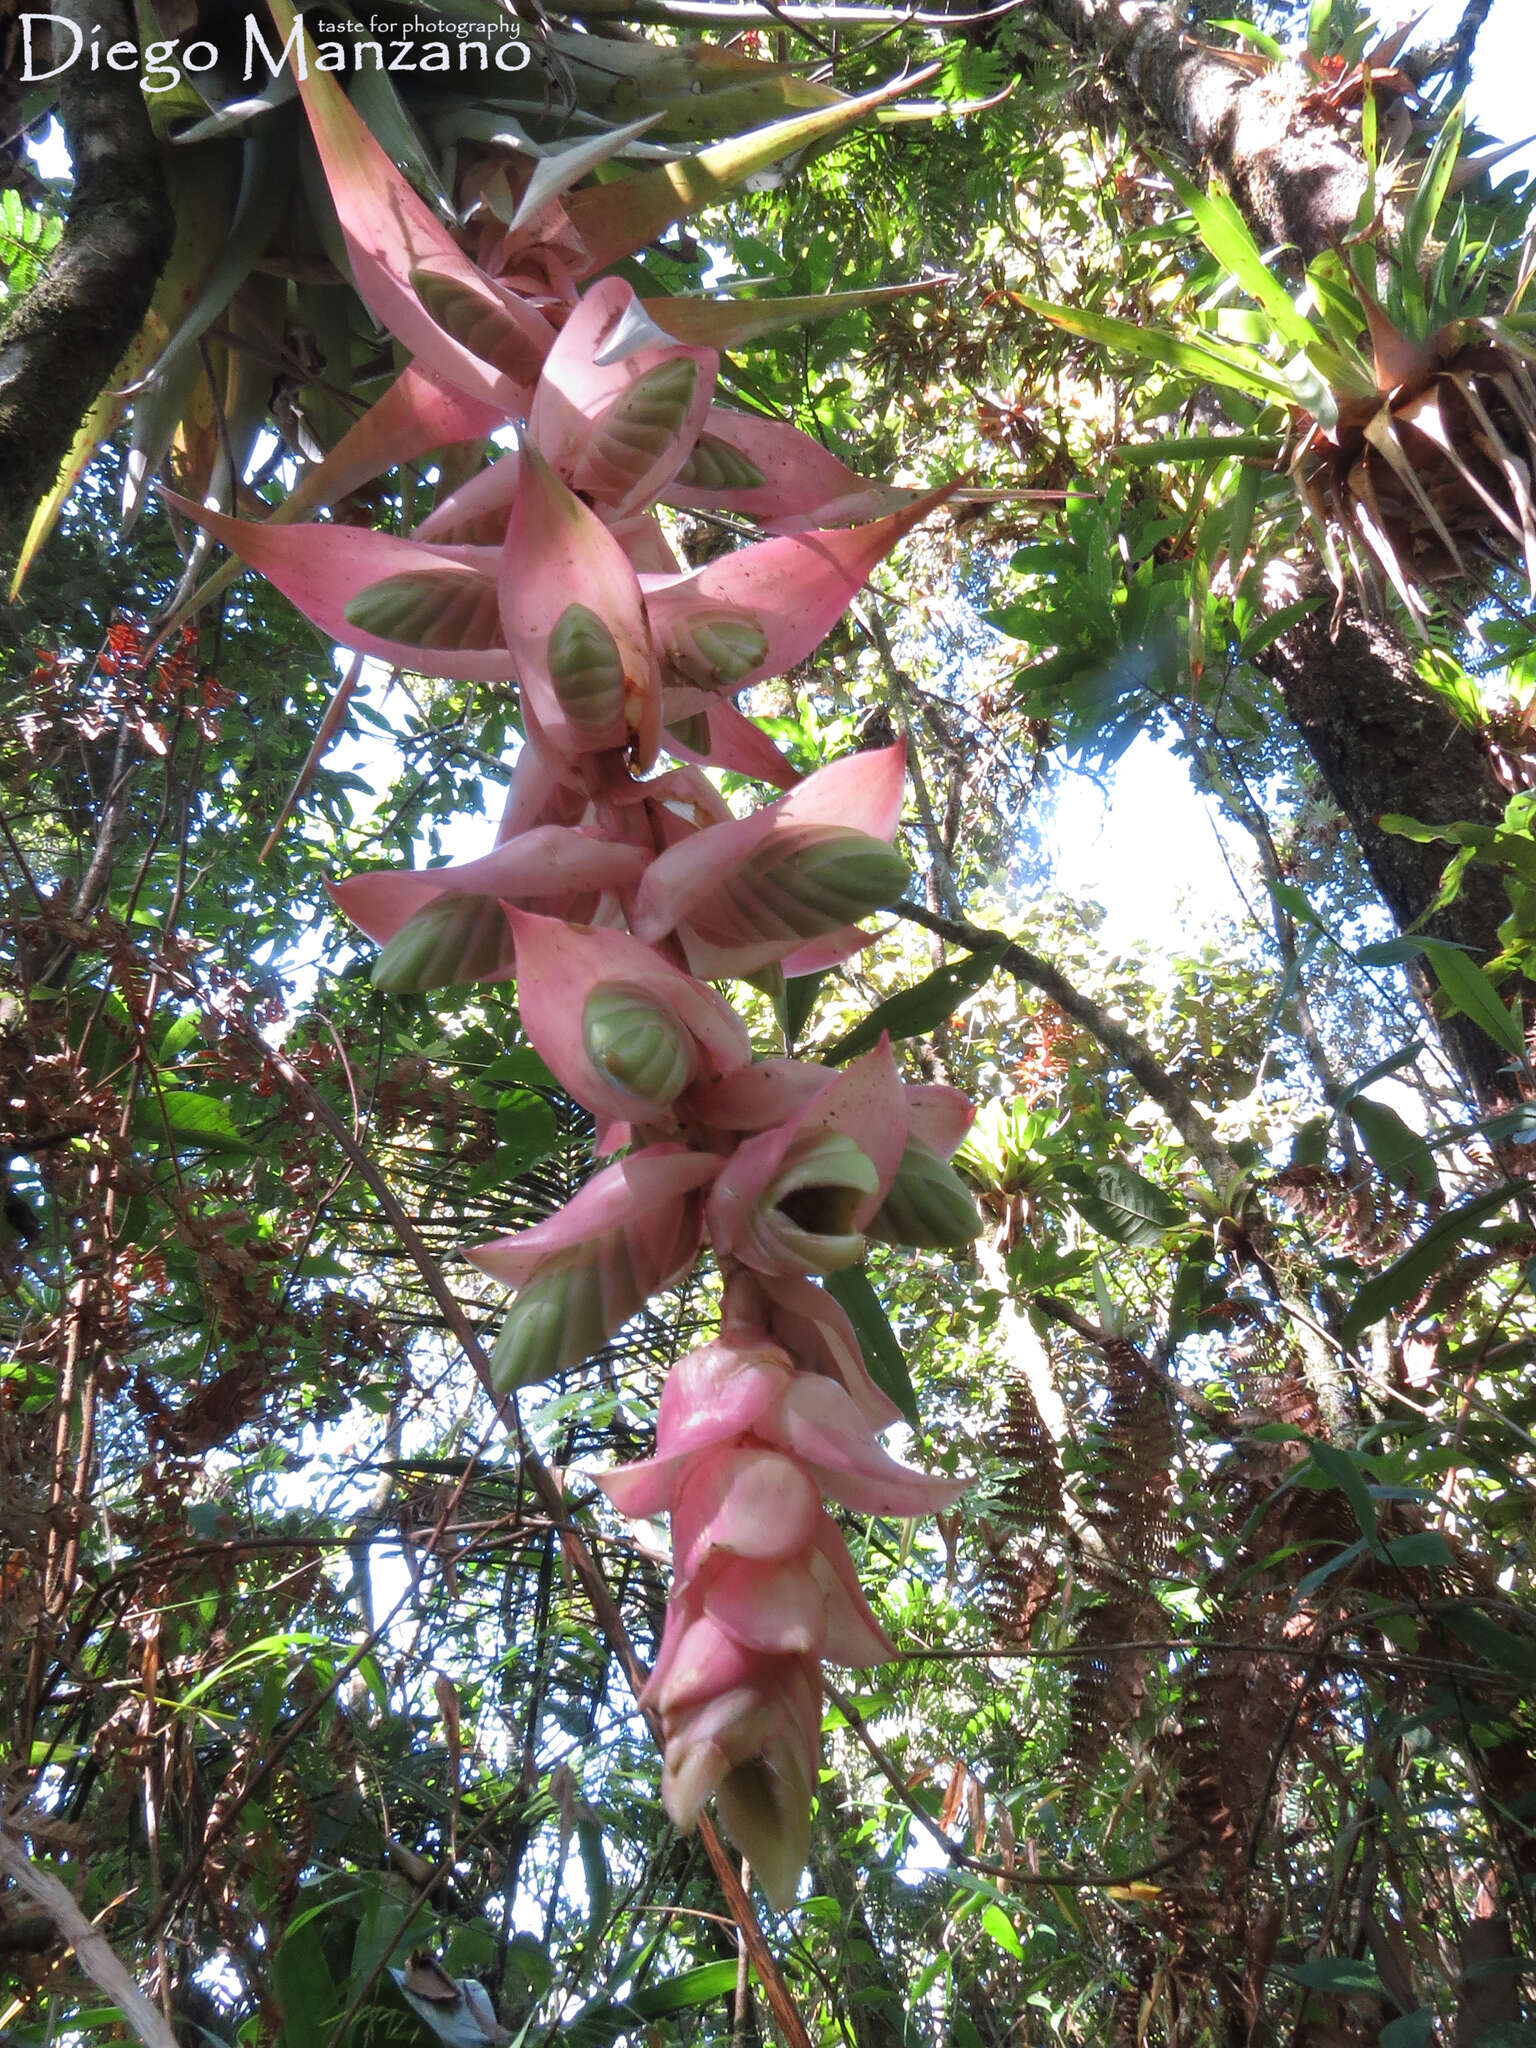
<point x="1474" y="995"/>
<point x="920" y="1009"/>
<point x="1266" y="45"/>
<point x="1128" y="1208"/>
<point x="1393" y="1063"/>
<point x="1339" y="1468"/>
<point x="614" y="220"/>
<point x="192" y="1118"/>
<point x="1230" y="240"/>
<point x="607" y="2020"/>
<point x="1497" y="1645"/>
<point x="1206" y="362"/>
<point x="882" y="1353"/>
<point x="1337" y="1975"/>
<point x="1412" y="2030"/>
<point x="734" y="323"/>
<point x="1196" y="448"/>
<point x="1408" y="1274"/>
<point x="1422" y="211"/>
<point x="1400" y="1152"/>
<point x="1003" y="1932"/>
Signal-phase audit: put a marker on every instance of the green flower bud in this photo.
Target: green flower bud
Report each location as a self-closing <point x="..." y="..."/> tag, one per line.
<point x="928" y="1204"/>
<point x="650" y="412"/>
<point x="587" y="671"/>
<point x="636" y="1042"/>
<point x="474" y="320"/>
<point x="715" y="465"/>
<point x="840" y="876"/>
<point x="719" y="648"/>
<point x="813" y="1202"/>
<point x="449" y="607"/>
<point x="555" y="1323"/>
<point x="456" y="938"/>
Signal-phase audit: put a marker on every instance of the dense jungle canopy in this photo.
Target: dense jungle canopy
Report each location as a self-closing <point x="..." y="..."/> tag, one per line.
<point x="1180" y="361"/>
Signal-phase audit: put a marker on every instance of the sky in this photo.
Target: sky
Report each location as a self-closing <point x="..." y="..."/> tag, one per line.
<point x="1143" y="842"/>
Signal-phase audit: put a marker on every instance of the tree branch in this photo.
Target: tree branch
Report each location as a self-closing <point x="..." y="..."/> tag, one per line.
<point x="1121" y="1043"/>
<point x="93" y="1951"/>
<point x="1299" y="179"/>
<point x="63" y="340"/>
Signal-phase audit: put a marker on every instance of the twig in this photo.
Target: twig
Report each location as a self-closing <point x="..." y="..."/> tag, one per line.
<point x="1122" y="1044"/>
<point x="93" y="1951"/>
<point x="1072" y="1880"/>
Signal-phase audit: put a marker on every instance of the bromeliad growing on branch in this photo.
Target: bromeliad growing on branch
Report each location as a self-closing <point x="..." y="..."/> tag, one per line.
<point x="617" y="892"/>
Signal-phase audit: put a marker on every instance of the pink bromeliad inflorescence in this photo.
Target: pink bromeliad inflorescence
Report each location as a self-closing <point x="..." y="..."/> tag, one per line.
<point x="617" y="893"/>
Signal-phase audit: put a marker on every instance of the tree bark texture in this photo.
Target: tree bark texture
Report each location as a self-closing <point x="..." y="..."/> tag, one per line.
<point x="1385" y="743"/>
<point x="1298" y="179"/>
<point x="1381" y="739"/>
<point x="64" y="339"/>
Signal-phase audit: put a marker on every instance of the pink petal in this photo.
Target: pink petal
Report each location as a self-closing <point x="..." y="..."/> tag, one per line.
<point x="415" y="415"/>
<point x="322" y="567"/>
<point x="939" y="1116"/>
<point x="702" y="1662"/>
<point x="734" y="742"/>
<point x="864" y="1103"/>
<point x="557" y="554"/>
<point x="582" y="393"/>
<point x="390" y="232"/>
<point x="815" y="1330"/>
<point x="719" y="1391"/>
<point x="775" y="1609"/>
<point x="798" y="473"/>
<point x="768" y="1092"/>
<point x="476" y="514"/>
<point x="862" y="792"/>
<point x="705" y="1742"/>
<point x="795" y="588"/>
<point x="644" y="1200"/>
<point x="853" y="1636"/>
<point x="746" y="1500"/>
<point x="830" y="950"/>
<point x="558" y="967"/>
<point x="820" y="1425"/>
<point x="550" y="862"/>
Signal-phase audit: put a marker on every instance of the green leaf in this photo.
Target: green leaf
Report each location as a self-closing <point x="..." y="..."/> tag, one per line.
<point x="615" y="219"/>
<point x="1206" y="362"/>
<point x="1340" y="1469"/>
<point x="1193" y="448"/>
<point x="606" y="2019"/>
<point x="1474" y="995"/>
<point x="1128" y="1208"/>
<point x="920" y="1009"/>
<point x="1003" y="1931"/>
<point x="1403" y="1057"/>
<point x="191" y="1118"/>
<point x="1498" y="1646"/>
<point x="795" y="1005"/>
<point x="1424" y="1550"/>
<point x="1230" y="240"/>
<point x="1399" y="1151"/>
<point x="1266" y="45"/>
<point x="1295" y="903"/>
<point x="1423" y="209"/>
<point x="882" y="1353"/>
<point x="1336" y="1974"/>
<point x="1407" y="1275"/>
<point x="179" y="1034"/>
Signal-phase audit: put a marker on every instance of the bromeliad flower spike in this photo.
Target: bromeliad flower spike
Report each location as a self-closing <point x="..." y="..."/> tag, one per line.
<point x="616" y="893"/>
